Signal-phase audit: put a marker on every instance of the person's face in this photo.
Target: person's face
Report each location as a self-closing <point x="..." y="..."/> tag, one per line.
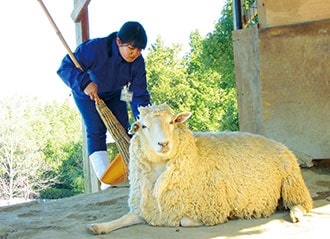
<point x="127" y="51"/>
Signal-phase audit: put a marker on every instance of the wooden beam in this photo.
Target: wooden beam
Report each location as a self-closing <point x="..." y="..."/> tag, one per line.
<point x="82" y="27"/>
<point x="282" y="12"/>
<point x="79" y="7"/>
<point x="80" y="17"/>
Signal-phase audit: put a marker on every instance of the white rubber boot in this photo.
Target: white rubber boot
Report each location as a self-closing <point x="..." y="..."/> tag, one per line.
<point x="100" y="161"/>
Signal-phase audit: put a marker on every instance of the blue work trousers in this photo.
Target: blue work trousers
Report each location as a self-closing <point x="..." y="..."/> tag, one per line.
<point x="95" y="128"/>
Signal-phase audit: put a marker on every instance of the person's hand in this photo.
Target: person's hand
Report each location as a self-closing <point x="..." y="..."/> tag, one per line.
<point x="91" y="91"/>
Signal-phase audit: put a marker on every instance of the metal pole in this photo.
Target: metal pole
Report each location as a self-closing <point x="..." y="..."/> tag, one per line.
<point x="237" y="13"/>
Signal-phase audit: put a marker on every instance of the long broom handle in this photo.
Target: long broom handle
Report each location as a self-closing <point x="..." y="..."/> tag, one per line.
<point x="59" y="34"/>
<point x="123" y="141"/>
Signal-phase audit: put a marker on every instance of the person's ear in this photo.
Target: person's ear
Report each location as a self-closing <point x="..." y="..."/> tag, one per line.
<point x="118" y="41"/>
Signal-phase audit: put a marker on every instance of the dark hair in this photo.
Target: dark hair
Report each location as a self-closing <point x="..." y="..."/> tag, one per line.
<point x="134" y="33"/>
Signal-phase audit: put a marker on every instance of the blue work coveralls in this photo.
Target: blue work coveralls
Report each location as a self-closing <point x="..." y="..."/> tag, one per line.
<point x="103" y="65"/>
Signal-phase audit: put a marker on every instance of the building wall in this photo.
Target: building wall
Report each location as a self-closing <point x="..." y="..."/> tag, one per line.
<point x="283" y="84"/>
<point x="295" y="78"/>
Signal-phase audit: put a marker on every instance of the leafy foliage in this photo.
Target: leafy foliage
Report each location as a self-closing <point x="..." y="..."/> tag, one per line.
<point x="202" y="82"/>
<point x="218" y="55"/>
<point x="36" y="141"/>
<point x="166" y="75"/>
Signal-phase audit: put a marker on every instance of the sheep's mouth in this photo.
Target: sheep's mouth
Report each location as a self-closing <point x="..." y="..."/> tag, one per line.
<point x="164" y="150"/>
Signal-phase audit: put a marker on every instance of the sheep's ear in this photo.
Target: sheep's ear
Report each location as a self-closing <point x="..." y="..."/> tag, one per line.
<point x="182" y="117"/>
<point x="134" y="128"/>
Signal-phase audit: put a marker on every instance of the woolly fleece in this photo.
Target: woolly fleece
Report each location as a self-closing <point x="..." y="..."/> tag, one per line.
<point x="212" y="177"/>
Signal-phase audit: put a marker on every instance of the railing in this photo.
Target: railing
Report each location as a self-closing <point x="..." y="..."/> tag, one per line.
<point x="249" y="12"/>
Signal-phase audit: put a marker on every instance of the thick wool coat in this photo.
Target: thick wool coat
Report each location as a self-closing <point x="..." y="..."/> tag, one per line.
<point x="213" y="177"/>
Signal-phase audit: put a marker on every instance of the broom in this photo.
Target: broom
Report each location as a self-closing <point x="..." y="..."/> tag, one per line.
<point x="115" y="129"/>
<point x="118" y="133"/>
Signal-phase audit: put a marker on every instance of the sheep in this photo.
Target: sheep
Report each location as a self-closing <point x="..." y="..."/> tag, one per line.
<point x="182" y="178"/>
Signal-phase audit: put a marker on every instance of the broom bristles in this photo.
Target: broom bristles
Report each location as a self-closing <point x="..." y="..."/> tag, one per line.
<point x="115" y="129"/>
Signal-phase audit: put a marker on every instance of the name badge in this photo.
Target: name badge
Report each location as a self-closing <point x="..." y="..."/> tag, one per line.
<point x="126" y="95"/>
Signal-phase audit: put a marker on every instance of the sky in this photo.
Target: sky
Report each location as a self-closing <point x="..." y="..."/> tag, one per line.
<point x="31" y="51"/>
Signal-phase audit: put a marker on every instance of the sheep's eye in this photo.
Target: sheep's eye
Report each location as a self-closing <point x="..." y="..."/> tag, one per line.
<point x="172" y="122"/>
<point x="144" y="127"/>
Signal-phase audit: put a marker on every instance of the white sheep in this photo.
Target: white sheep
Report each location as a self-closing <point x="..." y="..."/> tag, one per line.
<point x="181" y="178"/>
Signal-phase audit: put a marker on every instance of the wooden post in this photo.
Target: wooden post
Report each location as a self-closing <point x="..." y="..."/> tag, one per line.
<point x="80" y="17"/>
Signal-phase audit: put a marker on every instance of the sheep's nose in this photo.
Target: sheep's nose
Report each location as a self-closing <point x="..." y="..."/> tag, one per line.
<point x="163" y="144"/>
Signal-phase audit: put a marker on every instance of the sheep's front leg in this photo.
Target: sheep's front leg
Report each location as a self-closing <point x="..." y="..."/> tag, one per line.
<point x="125" y="221"/>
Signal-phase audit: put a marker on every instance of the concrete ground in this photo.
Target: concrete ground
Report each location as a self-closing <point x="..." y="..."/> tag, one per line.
<point x="66" y="218"/>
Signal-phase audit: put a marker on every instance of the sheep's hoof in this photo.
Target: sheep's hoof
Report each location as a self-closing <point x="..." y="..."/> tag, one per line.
<point x="94" y="229"/>
<point x="297" y="213"/>
<point x="188" y="222"/>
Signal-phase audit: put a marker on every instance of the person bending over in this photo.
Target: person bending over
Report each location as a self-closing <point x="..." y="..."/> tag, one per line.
<point x="114" y="71"/>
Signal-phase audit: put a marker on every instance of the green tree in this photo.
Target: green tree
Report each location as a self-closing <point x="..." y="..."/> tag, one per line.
<point x="21" y="161"/>
<point x="166" y="76"/>
<point x="40" y="148"/>
<point x="218" y="56"/>
<point x="63" y="149"/>
<point x="203" y="81"/>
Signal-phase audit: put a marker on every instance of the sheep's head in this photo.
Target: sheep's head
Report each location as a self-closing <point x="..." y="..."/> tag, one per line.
<point x="156" y="126"/>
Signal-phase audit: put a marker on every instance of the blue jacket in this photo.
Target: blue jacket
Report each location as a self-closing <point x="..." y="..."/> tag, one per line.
<point x="103" y="65"/>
